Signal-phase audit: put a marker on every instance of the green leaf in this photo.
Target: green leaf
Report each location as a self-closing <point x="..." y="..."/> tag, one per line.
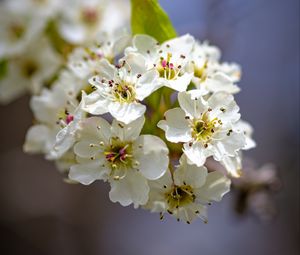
<point x="147" y="17"/>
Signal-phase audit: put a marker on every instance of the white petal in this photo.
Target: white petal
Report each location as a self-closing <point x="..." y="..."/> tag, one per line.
<point x="136" y="63"/>
<point x="95" y="103"/>
<point x="126" y="112"/>
<point x="95" y="129"/>
<point x="176" y="126"/>
<point x="107" y="70"/>
<point x="229" y="145"/>
<point x="246" y="128"/>
<point x="147" y="84"/>
<point x="152" y="154"/>
<point x="88" y="173"/>
<point x="143" y="43"/>
<point x="193" y="106"/>
<point x="64" y="141"/>
<point x="131" y="189"/>
<point x="196" y="153"/>
<point x="216" y="186"/>
<point x="183" y="45"/>
<point x="233" y="165"/>
<point x="190" y="174"/>
<point x="37" y="138"/>
<point x="129" y="132"/>
<point x="179" y="84"/>
<point x="221" y="82"/>
<point x="224" y="100"/>
<point x="87" y="148"/>
<point x="120" y="44"/>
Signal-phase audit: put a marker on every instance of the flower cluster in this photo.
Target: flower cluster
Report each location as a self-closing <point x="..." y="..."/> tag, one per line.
<point x="36" y="36"/>
<point x="138" y="167"/>
<point x="128" y="110"/>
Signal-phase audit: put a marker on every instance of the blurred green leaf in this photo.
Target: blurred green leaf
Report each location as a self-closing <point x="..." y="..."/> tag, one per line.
<point x="147" y="17"/>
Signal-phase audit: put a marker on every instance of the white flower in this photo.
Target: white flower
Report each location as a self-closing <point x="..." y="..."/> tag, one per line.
<point x="187" y="197"/>
<point x="169" y="59"/>
<point x="29" y="71"/>
<point x="17" y="31"/>
<point x="83" y="19"/>
<point x="57" y="115"/>
<point x="205" y="126"/>
<point x="209" y="74"/>
<point x="119" y="90"/>
<point x="66" y="137"/>
<point x="118" y="154"/>
<point x="84" y="61"/>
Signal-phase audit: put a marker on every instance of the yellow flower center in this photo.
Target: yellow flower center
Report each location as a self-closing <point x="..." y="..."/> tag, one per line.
<point x="167" y="69"/>
<point x="124" y="92"/>
<point x="204" y="128"/>
<point x="180" y="196"/>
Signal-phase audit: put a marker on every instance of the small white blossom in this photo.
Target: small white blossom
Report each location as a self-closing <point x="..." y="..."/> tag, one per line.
<point x="29" y="71"/>
<point x="209" y="74"/>
<point x="205" y="126"/>
<point x="83" y="19"/>
<point x="17" y="30"/>
<point x="169" y="59"/>
<point x="57" y="115"/>
<point x="120" y="89"/>
<point x="186" y="195"/>
<point x="118" y="154"/>
<point x="84" y="61"/>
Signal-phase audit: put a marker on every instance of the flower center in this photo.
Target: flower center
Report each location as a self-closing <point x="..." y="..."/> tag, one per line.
<point x="123" y="92"/>
<point x="200" y="72"/>
<point x="167" y="69"/>
<point x="16" y="31"/>
<point x="88" y="89"/>
<point x="89" y="16"/>
<point x="64" y="118"/>
<point x="119" y="154"/>
<point x="29" y="68"/>
<point x="204" y="128"/>
<point x="180" y="196"/>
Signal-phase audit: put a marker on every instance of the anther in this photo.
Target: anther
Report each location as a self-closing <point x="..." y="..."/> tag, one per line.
<point x="161" y="216"/>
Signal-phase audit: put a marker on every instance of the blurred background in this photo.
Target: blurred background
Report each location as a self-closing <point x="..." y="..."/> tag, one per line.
<point x="40" y="214"/>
